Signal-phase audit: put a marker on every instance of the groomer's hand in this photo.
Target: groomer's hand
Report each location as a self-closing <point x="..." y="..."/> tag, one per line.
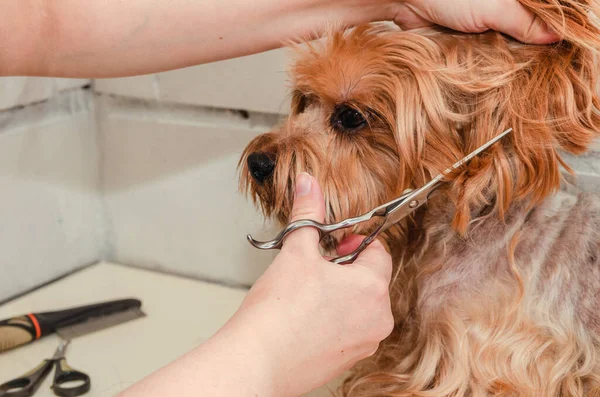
<point x="474" y="16"/>
<point x="315" y="318"/>
<point x="303" y="323"/>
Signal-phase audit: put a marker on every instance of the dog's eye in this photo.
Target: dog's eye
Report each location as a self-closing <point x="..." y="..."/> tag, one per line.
<point x="346" y="118"/>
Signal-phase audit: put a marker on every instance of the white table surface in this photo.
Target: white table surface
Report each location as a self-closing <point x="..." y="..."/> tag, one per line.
<point x="116" y="357"/>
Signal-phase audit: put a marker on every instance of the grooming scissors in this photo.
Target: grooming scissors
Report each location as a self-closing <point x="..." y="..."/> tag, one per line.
<point x="68" y="382"/>
<point x="392" y="212"/>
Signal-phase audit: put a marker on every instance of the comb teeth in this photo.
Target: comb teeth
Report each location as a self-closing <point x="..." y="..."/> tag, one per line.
<point x="95" y="324"/>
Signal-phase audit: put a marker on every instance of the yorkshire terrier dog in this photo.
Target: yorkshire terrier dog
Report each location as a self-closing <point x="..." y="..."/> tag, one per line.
<point x="496" y="286"/>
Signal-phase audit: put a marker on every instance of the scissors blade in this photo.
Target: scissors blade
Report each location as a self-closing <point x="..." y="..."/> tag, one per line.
<point x="61" y="349"/>
<point x="475" y="152"/>
<point x="419" y="197"/>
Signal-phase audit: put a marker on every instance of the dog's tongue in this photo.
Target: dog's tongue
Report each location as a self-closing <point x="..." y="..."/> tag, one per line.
<point x="349" y="244"/>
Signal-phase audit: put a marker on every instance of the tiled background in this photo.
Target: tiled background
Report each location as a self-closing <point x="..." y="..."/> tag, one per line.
<point x="51" y="218"/>
<point x="140" y="171"/>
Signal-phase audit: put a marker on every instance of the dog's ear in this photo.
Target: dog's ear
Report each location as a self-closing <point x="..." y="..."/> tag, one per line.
<point x="549" y="97"/>
<point x="455" y="92"/>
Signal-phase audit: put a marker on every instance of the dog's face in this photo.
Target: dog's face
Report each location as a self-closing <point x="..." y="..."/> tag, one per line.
<point x="377" y="111"/>
<point x="339" y="130"/>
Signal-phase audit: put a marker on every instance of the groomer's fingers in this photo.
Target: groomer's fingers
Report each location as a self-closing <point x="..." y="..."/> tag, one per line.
<point x="308" y="204"/>
<point x="513" y="19"/>
<point x="376" y="257"/>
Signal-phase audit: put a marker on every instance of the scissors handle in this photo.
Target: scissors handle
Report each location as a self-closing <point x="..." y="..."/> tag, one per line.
<point x="27" y="384"/>
<point x="277" y="242"/>
<point x="68" y="382"/>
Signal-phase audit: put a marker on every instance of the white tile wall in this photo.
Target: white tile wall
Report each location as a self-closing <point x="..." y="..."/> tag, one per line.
<point x="255" y="83"/>
<point x="16" y="91"/>
<point x="170" y="190"/>
<point x="51" y="220"/>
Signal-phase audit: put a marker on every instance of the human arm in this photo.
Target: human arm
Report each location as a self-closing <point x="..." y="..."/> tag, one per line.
<point x="303" y="323"/>
<point x="115" y="38"/>
<point x="110" y="38"/>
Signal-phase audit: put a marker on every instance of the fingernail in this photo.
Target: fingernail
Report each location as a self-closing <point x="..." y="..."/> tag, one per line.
<point x="303" y="184"/>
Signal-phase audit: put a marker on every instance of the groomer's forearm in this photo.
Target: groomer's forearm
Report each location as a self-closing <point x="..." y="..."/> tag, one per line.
<point x="112" y="38"/>
<point x="233" y="362"/>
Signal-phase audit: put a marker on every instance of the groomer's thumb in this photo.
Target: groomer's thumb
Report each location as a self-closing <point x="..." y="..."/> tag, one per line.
<point x="512" y="18"/>
<point x="308" y="204"/>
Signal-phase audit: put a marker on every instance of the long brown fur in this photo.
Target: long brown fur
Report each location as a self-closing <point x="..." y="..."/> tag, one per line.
<point x="496" y="288"/>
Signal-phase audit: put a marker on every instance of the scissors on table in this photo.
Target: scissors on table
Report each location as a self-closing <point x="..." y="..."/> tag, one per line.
<point x="392" y="212"/>
<point x="26" y="385"/>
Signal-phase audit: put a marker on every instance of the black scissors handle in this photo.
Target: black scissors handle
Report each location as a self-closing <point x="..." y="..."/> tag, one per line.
<point x="26" y="385"/>
<point x="68" y="382"/>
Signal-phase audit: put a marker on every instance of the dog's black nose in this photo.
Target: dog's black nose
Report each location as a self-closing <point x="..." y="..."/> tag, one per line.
<point x="261" y="166"/>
